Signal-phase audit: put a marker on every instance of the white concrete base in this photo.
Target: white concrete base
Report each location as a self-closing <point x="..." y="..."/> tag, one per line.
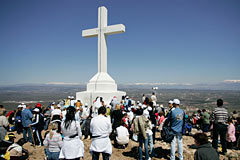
<point x="101" y="85"/>
<point x="102" y="81"/>
<point x="89" y="97"/>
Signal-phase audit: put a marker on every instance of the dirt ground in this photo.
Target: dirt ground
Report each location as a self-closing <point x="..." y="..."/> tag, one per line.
<point x="162" y="150"/>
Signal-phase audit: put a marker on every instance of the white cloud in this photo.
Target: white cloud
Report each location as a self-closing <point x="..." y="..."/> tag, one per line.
<point x="231" y="81"/>
<point x="62" y="83"/>
<point x="163" y="84"/>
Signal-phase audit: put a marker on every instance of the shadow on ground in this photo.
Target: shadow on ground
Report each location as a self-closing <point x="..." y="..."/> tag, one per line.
<point x="162" y="153"/>
<point x="133" y="153"/>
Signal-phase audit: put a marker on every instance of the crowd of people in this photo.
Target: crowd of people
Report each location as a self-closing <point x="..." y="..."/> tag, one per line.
<point x="67" y="123"/>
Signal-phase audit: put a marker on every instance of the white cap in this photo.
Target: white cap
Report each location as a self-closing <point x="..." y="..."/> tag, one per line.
<point x="78" y="107"/>
<point x="86" y="104"/>
<point x="146" y="113"/>
<point x="22" y="103"/>
<point x="144" y="106"/>
<point x="53" y="102"/>
<point x="170" y="102"/>
<point x="149" y="108"/>
<point x="176" y="101"/>
<point x="20" y="106"/>
<point x="36" y="110"/>
<point x="161" y="106"/>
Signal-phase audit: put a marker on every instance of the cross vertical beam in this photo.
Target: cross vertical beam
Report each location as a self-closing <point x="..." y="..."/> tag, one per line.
<point x="101" y="32"/>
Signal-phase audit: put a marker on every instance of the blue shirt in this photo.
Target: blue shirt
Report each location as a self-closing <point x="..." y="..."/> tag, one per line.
<point x="26" y="117"/>
<point x="176" y="119"/>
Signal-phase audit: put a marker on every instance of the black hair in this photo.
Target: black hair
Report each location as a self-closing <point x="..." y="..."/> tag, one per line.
<point x="150" y="104"/>
<point x="1" y="106"/>
<point x="230" y="120"/>
<point x="102" y="110"/>
<point x="219" y="102"/>
<point x="201" y="138"/>
<point x="122" y="123"/>
<point x="70" y="116"/>
<point x="204" y="110"/>
<point x="146" y="101"/>
<point x="21" y="141"/>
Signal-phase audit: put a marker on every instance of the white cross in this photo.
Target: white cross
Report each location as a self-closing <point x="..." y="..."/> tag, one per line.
<point x="102" y="31"/>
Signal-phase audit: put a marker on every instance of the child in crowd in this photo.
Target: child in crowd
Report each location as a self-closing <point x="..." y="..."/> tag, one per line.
<point x="53" y="142"/>
<point x="230" y="134"/>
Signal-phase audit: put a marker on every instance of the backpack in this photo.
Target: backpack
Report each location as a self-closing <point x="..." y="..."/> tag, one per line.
<point x="166" y="133"/>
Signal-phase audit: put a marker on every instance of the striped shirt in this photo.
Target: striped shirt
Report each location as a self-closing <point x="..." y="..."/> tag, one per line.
<point x="220" y="115"/>
<point x="55" y="143"/>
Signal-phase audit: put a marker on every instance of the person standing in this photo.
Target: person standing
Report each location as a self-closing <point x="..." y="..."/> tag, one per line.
<point x="73" y="147"/>
<point x="154" y="99"/>
<point x="220" y="118"/>
<point x="171" y="107"/>
<point x="143" y="98"/>
<point x="205" y="120"/>
<point x="84" y="117"/>
<point x="26" y="121"/>
<point x="116" y="117"/>
<point x="101" y="128"/>
<point x="113" y="103"/>
<point x="176" y="119"/>
<point x="18" y="120"/>
<point x="140" y="127"/>
<point x="231" y="138"/>
<point x="53" y="142"/>
<point x="37" y="126"/>
<point x="3" y="125"/>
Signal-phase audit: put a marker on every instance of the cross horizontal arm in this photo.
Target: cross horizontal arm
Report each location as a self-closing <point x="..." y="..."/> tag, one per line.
<point x="114" y="29"/>
<point x="90" y="32"/>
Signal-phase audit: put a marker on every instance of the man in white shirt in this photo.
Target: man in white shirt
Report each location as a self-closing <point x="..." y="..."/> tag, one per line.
<point x="56" y="114"/>
<point x="101" y="128"/>
<point x="154" y="99"/>
<point x="122" y="137"/>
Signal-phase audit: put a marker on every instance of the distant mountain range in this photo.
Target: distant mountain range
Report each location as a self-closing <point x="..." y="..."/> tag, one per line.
<point x="226" y="85"/>
<point x="218" y="86"/>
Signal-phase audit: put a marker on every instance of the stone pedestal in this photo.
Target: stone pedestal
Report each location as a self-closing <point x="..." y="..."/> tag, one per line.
<point x="101" y="85"/>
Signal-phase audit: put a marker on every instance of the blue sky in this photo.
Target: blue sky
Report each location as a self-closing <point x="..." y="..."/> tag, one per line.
<point x="178" y="41"/>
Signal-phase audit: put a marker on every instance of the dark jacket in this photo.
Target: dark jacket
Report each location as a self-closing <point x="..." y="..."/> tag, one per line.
<point x="206" y="152"/>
